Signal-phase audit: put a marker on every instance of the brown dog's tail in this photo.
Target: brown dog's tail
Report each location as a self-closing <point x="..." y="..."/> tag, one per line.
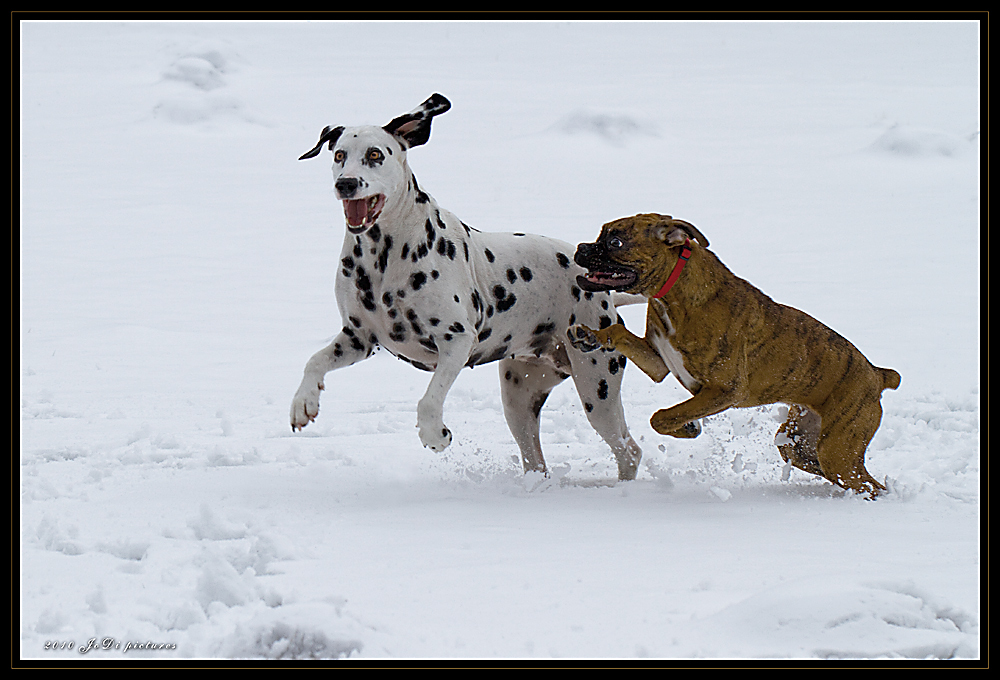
<point x="890" y="379"/>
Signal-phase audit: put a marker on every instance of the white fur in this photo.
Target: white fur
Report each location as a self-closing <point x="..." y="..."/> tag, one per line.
<point x="671" y="357"/>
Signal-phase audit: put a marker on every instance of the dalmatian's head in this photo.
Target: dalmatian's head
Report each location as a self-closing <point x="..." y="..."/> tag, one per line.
<point x="369" y="162"/>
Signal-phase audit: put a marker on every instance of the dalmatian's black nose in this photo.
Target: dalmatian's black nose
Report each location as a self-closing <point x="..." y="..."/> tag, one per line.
<point x="346" y="186"/>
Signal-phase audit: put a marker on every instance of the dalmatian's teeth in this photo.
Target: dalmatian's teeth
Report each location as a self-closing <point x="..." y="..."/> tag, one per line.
<point x="374" y="208"/>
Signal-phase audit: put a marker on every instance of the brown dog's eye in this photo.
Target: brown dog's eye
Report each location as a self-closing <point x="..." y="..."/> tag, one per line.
<point x="338" y="156"/>
<point x="615" y="243"/>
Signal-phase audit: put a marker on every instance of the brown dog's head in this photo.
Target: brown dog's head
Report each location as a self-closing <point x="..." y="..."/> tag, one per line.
<point x="634" y="254"/>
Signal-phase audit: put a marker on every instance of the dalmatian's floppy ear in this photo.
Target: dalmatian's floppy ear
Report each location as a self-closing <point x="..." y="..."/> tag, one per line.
<point x="674" y="232"/>
<point x="330" y="135"/>
<point x="414" y="128"/>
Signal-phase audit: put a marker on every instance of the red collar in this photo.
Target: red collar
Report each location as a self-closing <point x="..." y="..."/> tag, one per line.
<point x="676" y="273"/>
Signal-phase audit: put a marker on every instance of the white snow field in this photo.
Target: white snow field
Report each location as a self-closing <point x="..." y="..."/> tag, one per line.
<point x="176" y="272"/>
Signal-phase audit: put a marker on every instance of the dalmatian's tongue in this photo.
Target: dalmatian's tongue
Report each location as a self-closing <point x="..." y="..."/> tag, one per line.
<point x="361" y="211"/>
<point x="356" y="210"/>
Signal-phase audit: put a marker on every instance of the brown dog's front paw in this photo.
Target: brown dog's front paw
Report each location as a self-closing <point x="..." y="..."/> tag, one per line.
<point x="583" y="338"/>
<point x="666" y="423"/>
<point x="687" y="430"/>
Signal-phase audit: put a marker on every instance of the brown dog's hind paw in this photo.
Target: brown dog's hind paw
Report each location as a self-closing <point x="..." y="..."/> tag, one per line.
<point x="790" y="454"/>
<point x="797" y="438"/>
<point x="861" y="483"/>
<point x="796" y="449"/>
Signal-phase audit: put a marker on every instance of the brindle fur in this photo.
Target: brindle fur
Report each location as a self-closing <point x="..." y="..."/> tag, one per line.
<point x="739" y="348"/>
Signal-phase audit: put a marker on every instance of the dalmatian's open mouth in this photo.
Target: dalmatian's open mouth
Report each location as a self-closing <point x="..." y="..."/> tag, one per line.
<point x="617" y="279"/>
<point x="361" y="213"/>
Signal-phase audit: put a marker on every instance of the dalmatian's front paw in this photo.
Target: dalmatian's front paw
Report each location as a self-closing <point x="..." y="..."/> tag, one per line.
<point x="305" y="404"/>
<point x="433" y="434"/>
<point x="583" y="338"/>
<point x="436" y="438"/>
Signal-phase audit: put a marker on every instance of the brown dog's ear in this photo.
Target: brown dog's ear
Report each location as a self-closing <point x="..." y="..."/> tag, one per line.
<point x="675" y="232"/>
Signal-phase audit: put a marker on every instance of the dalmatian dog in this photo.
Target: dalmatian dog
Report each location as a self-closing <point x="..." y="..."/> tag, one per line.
<point x="441" y="295"/>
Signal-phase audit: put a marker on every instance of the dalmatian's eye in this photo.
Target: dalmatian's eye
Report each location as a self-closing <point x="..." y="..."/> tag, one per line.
<point x="374" y="155"/>
<point x="339" y="156"/>
<point x="615" y="243"/>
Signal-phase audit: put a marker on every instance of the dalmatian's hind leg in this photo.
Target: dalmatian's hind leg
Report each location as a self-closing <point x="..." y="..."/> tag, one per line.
<point x="598" y="378"/>
<point x="524" y="387"/>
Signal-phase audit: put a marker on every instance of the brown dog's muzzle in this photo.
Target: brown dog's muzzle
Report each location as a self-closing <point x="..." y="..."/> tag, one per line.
<point x="586" y="253"/>
<point x="602" y="274"/>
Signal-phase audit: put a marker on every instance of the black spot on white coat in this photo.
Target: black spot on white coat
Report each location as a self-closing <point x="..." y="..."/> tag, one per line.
<point x="602" y="389"/>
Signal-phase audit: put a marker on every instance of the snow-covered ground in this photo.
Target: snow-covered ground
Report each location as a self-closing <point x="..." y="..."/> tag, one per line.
<point x="177" y="270"/>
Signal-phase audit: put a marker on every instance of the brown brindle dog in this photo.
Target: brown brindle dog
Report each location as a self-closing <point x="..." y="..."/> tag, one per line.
<point x="732" y="346"/>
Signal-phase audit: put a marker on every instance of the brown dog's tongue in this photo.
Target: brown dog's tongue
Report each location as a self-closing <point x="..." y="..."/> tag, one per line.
<point x="356" y="210"/>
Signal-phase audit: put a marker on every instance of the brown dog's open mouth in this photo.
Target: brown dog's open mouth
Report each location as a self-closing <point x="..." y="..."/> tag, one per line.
<point x="617" y="279"/>
<point x="361" y="213"/>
